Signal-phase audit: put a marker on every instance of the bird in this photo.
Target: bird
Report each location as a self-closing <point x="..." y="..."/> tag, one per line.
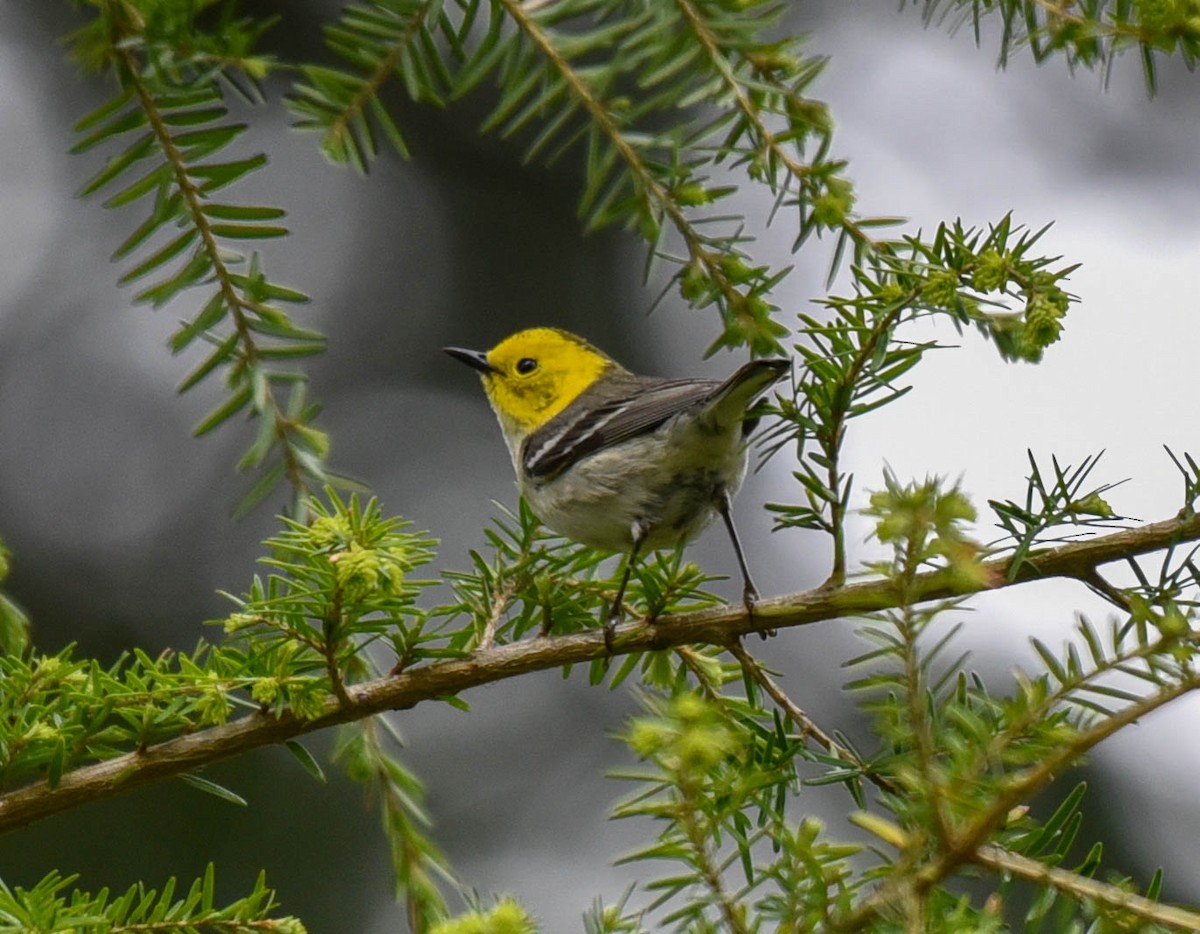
<point x="618" y="461"/>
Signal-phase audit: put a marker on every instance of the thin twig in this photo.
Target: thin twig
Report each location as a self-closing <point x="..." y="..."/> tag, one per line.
<point x="500" y="599"/>
<point x="1081" y="887"/>
<point x="687" y="657"/>
<point x="1097" y="583"/>
<point x="807" y="726"/>
<point x="329" y="646"/>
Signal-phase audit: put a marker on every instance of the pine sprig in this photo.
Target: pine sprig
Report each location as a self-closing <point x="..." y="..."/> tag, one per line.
<point x="855" y="361"/>
<point x="702" y="774"/>
<point x="571" y="80"/>
<point x="1051" y="503"/>
<point x="296" y="639"/>
<point x="1086" y="900"/>
<point x="532" y="580"/>
<point x="14" y="623"/>
<point x="1087" y="33"/>
<point x="340" y="582"/>
<point x="61" y="712"/>
<point x="852" y="366"/>
<point x="763" y="83"/>
<point x="381" y="40"/>
<point x="563" y="69"/>
<point x="527" y="579"/>
<point x="53" y="905"/>
<point x="966" y="761"/>
<point x="173" y="123"/>
<point x="418" y="866"/>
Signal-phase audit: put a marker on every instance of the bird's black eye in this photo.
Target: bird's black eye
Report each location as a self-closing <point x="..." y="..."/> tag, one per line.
<point x="526" y="365"/>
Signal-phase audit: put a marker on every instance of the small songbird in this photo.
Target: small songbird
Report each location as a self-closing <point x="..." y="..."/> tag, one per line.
<point x="618" y="461"/>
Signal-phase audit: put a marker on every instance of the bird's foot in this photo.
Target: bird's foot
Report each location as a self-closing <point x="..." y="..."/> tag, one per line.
<point x="610" y="625"/>
<point x="750" y="599"/>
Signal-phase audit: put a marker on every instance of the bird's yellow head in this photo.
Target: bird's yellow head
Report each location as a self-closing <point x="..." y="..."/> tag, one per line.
<point x="533" y="375"/>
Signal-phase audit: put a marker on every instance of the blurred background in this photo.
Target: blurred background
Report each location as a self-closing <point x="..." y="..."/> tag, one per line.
<point x="119" y="519"/>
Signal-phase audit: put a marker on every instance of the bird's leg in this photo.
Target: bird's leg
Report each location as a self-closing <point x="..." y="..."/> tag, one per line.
<point x="638" y="531"/>
<point x="749" y="591"/>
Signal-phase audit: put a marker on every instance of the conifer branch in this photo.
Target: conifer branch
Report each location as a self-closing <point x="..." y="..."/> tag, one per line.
<point x="653" y="191"/>
<point x="969" y="846"/>
<point x="1025" y="784"/>
<point x="717" y="626"/>
<point x="656" y="199"/>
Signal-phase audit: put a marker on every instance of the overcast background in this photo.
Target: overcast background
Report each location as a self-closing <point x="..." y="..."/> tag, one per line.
<point x="118" y="518"/>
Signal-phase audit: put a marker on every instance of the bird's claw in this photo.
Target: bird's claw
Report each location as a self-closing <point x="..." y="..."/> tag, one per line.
<point x="610" y="626"/>
<point x="750" y="599"/>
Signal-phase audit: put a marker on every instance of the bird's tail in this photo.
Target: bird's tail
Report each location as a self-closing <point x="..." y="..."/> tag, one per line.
<point x="729" y="401"/>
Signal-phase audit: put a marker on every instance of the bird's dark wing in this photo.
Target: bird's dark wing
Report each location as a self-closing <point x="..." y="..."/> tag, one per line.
<point x="584" y="427"/>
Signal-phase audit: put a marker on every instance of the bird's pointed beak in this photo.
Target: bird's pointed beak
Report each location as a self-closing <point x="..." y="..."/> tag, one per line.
<point x="475" y="359"/>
